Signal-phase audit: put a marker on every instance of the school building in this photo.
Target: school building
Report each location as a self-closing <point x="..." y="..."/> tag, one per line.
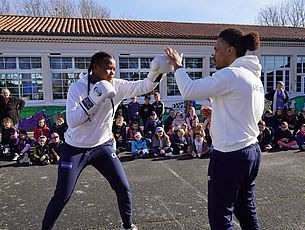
<point x="41" y="56"/>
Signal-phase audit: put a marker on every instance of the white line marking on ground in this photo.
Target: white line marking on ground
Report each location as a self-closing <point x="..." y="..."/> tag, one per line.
<point x="185" y="182"/>
<point x="198" y="193"/>
<point x="168" y="210"/>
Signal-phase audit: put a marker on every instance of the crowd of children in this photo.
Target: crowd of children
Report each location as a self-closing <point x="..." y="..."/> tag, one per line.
<point x="282" y="130"/>
<point x="42" y="149"/>
<point x="148" y="135"/>
<point x="179" y="133"/>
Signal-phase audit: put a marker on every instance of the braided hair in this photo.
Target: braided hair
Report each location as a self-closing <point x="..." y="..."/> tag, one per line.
<point x="98" y="58"/>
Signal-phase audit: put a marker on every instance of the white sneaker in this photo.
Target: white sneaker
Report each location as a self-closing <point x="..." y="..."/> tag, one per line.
<point x="15" y="157"/>
<point x="133" y="227"/>
<point x="303" y="146"/>
<point x="168" y="154"/>
<point x="295" y="147"/>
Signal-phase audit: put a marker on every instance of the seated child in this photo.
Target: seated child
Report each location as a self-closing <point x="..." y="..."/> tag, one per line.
<point x="284" y="138"/>
<point x="171" y="132"/>
<point x="139" y="147"/>
<point x="187" y="136"/>
<point x="278" y="118"/>
<point x="21" y="148"/>
<point x="199" y="146"/>
<point x="41" y="129"/>
<point x="268" y="119"/>
<point x="301" y="138"/>
<point x="151" y="124"/>
<point x="59" y="127"/>
<point x="178" y="121"/>
<point x="291" y="119"/>
<point x="179" y="143"/>
<point x="132" y="130"/>
<point x="195" y="128"/>
<point x="265" y="137"/>
<point x="7" y="131"/>
<point x="54" y="145"/>
<point x="161" y="144"/>
<point x="41" y="155"/>
<point x="119" y="133"/>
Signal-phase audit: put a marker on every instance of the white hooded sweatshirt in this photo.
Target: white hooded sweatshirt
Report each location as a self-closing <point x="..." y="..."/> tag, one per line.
<point x="87" y="133"/>
<point x="238" y="101"/>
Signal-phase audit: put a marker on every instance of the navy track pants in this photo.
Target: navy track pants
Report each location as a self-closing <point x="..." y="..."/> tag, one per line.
<point x="231" y="188"/>
<point x="73" y="160"/>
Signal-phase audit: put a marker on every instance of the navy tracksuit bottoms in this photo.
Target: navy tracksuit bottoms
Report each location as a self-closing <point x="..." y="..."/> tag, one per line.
<point x="231" y="188"/>
<point x="73" y="160"/>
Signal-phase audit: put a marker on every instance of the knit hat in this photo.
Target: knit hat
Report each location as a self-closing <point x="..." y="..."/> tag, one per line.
<point x="54" y="135"/>
<point x="159" y="129"/>
<point x="137" y="134"/>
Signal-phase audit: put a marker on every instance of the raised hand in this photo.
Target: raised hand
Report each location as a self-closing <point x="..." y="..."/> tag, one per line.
<point x="175" y="59"/>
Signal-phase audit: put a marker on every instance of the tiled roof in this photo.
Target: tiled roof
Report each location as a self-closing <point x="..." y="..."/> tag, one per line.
<point x="27" y="25"/>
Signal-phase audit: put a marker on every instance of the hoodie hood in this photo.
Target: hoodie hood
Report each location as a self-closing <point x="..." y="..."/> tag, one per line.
<point x="250" y="62"/>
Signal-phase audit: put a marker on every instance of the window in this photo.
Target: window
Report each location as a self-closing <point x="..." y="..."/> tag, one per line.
<point x="65" y="71"/>
<point x="194" y="68"/>
<point x="212" y="66"/>
<point x="30" y="63"/>
<point x="137" y="68"/>
<point x="22" y="76"/>
<point x="301" y="74"/>
<point x="134" y="68"/>
<point x="274" y="69"/>
<point x="8" y="63"/>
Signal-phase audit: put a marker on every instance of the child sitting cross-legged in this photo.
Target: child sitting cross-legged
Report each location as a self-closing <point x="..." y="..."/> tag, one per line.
<point x="161" y="144"/>
<point x="139" y="147"/>
<point x="22" y="147"/>
<point x="265" y="137"/>
<point x="199" y="146"/>
<point x="7" y="131"/>
<point x="54" y="145"/>
<point x="179" y="144"/>
<point x="284" y="139"/>
<point x="41" y="155"/>
<point x="301" y="138"/>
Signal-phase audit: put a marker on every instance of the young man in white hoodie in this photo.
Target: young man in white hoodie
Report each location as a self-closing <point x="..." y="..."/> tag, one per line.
<point x="238" y="103"/>
<point x="91" y="105"/>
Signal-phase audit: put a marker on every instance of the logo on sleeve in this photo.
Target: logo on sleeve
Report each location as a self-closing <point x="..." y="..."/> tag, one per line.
<point x="98" y="91"/>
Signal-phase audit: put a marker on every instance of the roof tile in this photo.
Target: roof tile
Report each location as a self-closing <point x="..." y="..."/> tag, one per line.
<point x="28" y="25"/>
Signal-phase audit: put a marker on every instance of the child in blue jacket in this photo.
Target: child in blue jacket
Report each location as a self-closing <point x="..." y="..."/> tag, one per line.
<point x="139" y="147"/>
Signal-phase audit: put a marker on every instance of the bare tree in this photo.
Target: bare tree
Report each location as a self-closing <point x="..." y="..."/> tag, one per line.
<point x="286" y="13"/>
<point x="56" y="8"/>
<point x="296" y="13"/>
<point x="93" y="9"/>
<point x="4" y="7"/>
<point x="34" y="7"/>
<point x="62" y="8"/>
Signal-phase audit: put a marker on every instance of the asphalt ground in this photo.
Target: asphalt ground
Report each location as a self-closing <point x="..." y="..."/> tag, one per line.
<point x="168" y="193"/>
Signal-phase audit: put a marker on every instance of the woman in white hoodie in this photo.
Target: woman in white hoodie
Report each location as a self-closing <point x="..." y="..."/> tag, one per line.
<point x="91" y="105"/>
<point x="238" y="103"/>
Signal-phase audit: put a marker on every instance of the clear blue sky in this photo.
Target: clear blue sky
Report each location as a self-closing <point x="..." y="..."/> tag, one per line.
<point x="209" y="11"/>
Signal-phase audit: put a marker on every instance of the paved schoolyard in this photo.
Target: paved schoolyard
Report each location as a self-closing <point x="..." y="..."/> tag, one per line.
<point x="167" y="194"/>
